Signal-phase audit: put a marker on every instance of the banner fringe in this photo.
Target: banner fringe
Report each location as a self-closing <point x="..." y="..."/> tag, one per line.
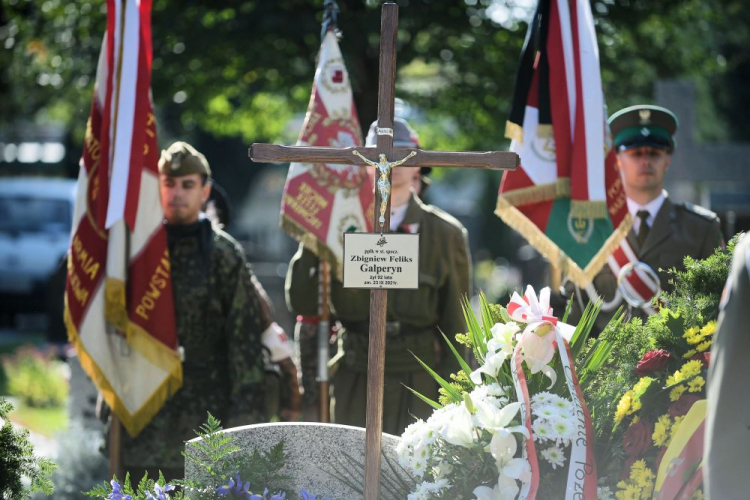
<point x="538" y="194"/>
<point x="136" y="421"/>
<point x="549" y="249"/>
<point x="589" y="209"/>
<point x="314" y="244"/>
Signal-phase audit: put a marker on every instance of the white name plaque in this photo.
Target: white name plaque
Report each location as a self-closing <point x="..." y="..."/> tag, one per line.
<point x="374" y="260"/>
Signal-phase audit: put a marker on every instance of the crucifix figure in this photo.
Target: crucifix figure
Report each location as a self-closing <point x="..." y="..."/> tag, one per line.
<point x="384" y="183"/>
<point x="387" y="158"/>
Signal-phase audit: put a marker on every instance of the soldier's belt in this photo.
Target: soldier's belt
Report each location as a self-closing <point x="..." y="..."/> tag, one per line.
<point x="392" y="328"/>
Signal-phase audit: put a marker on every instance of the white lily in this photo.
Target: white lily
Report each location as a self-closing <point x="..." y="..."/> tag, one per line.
<point x="537" y="339"/>
<point x="503" y="448"/>
<point x="492" y="418"/>
<point x="493" y="363"/>
<point x="457" y="428"/>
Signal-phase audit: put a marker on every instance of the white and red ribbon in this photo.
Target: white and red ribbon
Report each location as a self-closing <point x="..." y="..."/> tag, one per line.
<point x="539" y="348"/>
<point x="637" y="283"/>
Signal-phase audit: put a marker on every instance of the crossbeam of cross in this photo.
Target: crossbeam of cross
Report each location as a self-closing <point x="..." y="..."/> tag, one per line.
<point x="496" y="160"/>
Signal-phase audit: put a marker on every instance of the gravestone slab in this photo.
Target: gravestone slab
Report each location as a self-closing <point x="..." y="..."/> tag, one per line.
<point x="314" y="451"/>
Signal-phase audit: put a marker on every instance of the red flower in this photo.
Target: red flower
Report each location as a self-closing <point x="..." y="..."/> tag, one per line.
<point x="703" y="357"/>
<point x="637" y="439"/>
<point x="682" y="405"/>
<point x="652" y="361"/>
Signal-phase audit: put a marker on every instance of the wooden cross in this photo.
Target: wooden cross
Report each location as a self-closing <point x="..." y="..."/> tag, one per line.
<point x="268" y="153"/>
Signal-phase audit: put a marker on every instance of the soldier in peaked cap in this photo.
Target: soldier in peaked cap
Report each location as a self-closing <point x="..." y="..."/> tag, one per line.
<point x="664" y="232"/>
<point x="414" y="317"/>
<point x="223" y="324"/>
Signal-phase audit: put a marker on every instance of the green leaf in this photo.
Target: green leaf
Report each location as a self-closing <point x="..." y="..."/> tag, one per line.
<point x="427" y="400"/>
<point x="440" y="380"/>
<point x="464" y="365"/>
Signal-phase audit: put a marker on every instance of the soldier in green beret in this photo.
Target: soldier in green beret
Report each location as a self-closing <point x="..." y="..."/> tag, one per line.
<point x="664" y="232"/>
<point x="413" y="316"/>
<point x="222" y="324"/>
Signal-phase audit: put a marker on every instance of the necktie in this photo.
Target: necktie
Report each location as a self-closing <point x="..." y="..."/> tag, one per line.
<point x="643" y="231"/>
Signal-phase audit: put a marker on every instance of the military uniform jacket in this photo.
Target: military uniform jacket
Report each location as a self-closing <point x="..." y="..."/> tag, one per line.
<point x="219" y="324"/>
<point x="679" y="230"/>
<point x="414" y="316"/>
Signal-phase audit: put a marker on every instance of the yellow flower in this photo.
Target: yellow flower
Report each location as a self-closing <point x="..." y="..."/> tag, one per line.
<point x="623" y="407"/>
<point x="690" y="354"/>
<point x="703" y="346"/>
<point x="690" y="332"/>
<point x="661" y="430"/>
<point x="698" y="495"/>
<point x="709" y="328"/>
<point x="691" y="368"/>
<point x="675" y="394"/>
<point x="696" y="384"/>
<point x="635" y="406"/>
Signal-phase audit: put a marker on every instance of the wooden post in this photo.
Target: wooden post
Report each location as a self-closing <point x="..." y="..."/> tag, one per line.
<point x="379" y="298"/>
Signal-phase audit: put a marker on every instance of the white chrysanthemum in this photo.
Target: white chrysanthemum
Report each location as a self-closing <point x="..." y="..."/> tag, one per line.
<point x="428" y="436"/>
<point x="564" y="431"/>
<point x="426" y="489"/>
<point x="555" y="456"/>
<point x="542" y="398"/>
<point x="542" y="430"/>
<point x="418" y="467"/>
<point x="545" y="411"/>
<point x="495" y="390"/>
<point x="604" y="493"/>
<point x="563" y="405"/>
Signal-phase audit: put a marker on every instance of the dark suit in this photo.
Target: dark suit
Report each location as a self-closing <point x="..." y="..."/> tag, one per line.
<point x="679" y="230"/>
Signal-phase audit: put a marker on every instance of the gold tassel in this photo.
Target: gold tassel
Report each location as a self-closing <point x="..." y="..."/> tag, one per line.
<point x="514" y="131"/>
<point x="588" y="209"/>
<point x="538" y="194"/>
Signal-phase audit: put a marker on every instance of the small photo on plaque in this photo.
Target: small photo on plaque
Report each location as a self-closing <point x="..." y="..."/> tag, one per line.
<point x="381" y="261"/>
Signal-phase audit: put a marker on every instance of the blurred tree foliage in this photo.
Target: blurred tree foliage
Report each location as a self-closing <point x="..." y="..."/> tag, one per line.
<point x="244" y="68"/>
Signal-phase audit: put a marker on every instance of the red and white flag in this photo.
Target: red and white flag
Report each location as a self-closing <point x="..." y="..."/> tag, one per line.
<point x="566" y="199"/>
<point x="119" y="307"/>
<point x="323" y="201"/>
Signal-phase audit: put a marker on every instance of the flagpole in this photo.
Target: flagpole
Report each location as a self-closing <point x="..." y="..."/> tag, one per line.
<point x="115" y="439"/>
<point x="324" y="326"/>
<point x="331" y="10"/>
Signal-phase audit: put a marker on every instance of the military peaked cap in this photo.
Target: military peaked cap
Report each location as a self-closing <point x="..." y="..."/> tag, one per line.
<point x="643" y="125"/>
<point x="181" y="159"/>
<point x="403" y="137"/>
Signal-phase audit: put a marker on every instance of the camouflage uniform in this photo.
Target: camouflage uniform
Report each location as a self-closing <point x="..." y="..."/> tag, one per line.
<point x="220" y="318"/>
<point x="413" y="319"/>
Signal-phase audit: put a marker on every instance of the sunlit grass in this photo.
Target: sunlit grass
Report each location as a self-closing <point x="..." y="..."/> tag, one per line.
<point x="44" y="421"/>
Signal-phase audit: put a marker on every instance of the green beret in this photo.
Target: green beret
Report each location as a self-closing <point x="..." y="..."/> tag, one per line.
<point x="643" y="125"/>
<point x="181" y="159"/>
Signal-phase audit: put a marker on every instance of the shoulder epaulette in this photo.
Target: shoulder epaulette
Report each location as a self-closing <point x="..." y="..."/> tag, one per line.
<point x="698" y="210"/>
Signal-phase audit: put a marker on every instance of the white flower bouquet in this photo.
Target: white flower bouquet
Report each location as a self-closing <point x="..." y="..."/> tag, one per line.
<point x="516" y="427"/>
